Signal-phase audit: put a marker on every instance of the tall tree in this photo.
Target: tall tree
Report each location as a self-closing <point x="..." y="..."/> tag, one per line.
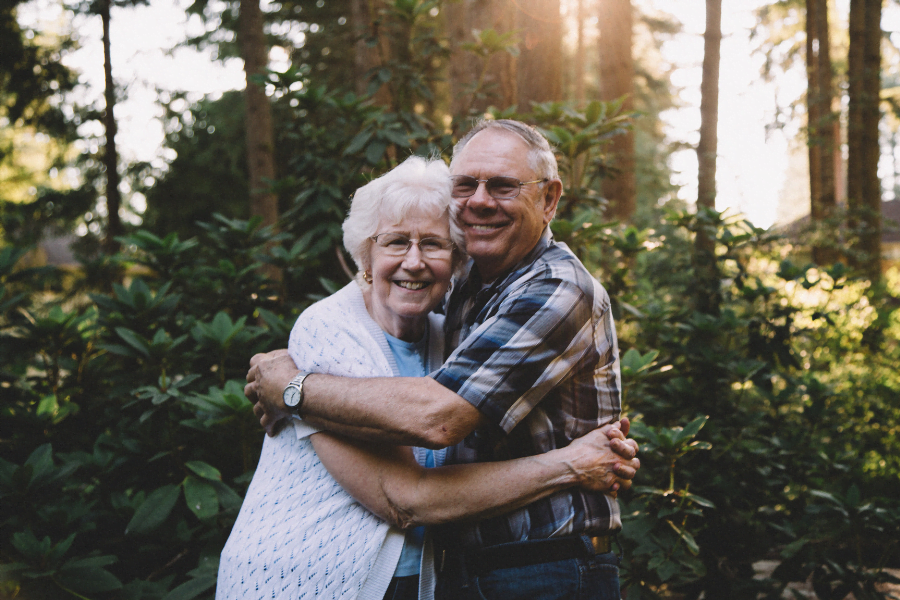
<point x="707" y="149"/>
<point x="33" y="81"/>
<point x="260" y="144"/>
<point x="539" y="65"/>
<point x="578" y="75"/>
<point x="616" y="81"/>
<point x="372" y="48"/>
<point x="111" y="153"/>
<point x="486" y="77"/>
<point x="823" y="125"/>
<point x="864" y="88"/>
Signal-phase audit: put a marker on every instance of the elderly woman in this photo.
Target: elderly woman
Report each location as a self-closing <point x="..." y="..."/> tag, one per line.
<point x="300" y="533"/>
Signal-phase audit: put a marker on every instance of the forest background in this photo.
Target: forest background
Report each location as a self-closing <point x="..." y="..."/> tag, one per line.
<point x="760" y="366"/>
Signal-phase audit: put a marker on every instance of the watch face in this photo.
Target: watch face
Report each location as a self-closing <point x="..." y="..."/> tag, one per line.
<point x="291" y="396"/>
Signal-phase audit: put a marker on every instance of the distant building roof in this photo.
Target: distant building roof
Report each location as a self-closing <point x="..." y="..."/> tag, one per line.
<point x="57" y="250"/>
<point x="890" y="223"/>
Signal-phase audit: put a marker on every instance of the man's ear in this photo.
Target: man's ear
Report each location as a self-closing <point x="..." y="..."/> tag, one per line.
<point x="552" y="193"/>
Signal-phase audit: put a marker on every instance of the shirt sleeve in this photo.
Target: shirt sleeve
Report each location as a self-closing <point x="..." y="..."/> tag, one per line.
<point x="538" y="334"/>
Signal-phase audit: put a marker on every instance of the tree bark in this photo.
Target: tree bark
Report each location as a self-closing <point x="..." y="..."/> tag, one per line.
<point x="617" y="80"/>
<point x="539" y="65"/>
<point x="864" y="87"/>
<point x="494" y="79"/>
<point x="823" y="123"/>
<point x="705" y="241"/>
<point x="579" y="53"/>
<point x="372" y="47"/>
<point x="110" y="154"/>
<point x="260" y="144"/>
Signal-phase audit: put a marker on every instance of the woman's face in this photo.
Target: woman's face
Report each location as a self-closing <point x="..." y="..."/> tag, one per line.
<point x="406" y="287"/>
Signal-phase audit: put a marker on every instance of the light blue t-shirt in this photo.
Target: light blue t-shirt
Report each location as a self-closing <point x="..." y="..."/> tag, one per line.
<point x="410" y="357"/>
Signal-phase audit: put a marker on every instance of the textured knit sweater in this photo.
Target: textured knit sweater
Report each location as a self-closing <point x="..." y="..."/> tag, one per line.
<point x="299" y="535"/>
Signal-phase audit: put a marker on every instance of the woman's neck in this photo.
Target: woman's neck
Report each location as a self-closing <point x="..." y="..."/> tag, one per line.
<point x="408" y="329"/>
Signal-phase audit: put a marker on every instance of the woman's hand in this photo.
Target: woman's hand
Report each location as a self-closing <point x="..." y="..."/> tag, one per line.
<point x="604" y="460"/>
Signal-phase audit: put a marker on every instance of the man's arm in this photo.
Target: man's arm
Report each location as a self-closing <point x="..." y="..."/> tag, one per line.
<point x="412" y="411"/>
<point x="339" y="410"/>
<point x="388" y="481"/>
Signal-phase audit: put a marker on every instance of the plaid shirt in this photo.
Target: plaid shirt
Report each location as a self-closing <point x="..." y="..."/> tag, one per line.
<point x="538" y="356"/>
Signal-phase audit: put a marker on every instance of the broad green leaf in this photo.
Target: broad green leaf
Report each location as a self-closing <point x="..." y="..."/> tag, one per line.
<point x="154" y="510"/>
<point x="191" y="589"/>
<point x="204" y="470"/>
<point x="133" y="340"/>
<point x="793" y="548"/>
<point x="88" y="580"/>
<point x="201" y="497"/>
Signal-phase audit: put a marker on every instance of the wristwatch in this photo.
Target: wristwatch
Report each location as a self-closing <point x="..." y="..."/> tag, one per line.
<point x="293" y="393"/>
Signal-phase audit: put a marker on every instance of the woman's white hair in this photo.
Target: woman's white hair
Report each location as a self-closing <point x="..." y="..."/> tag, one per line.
<point x="416" y="185"/>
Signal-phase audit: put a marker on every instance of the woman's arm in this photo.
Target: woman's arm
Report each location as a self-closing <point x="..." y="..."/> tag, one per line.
<point x="388" y="481"/>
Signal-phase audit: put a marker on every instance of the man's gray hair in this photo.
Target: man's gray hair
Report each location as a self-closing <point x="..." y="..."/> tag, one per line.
<point x="416" y="185"/>
<point x="540" y="155"/>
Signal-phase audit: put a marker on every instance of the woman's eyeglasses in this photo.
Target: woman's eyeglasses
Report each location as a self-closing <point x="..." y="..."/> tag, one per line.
<point x="397" y="244"/>
<point x="499" y="188"/>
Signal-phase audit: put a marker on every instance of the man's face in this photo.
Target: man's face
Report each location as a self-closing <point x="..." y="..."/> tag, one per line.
<point x="500" y="233"/>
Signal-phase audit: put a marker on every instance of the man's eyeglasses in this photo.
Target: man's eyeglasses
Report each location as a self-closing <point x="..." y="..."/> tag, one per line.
<point x="397" y="244"/>
<point x="499" y="188"/>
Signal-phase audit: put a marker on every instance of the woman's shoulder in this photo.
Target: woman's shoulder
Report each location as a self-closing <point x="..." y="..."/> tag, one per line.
<point x="335" y="335"/>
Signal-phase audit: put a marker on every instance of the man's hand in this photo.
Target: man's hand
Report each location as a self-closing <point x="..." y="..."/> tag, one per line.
<point x="604" y="460"/>
<point x="269" y="374"/>
<point x="625" y="448"/>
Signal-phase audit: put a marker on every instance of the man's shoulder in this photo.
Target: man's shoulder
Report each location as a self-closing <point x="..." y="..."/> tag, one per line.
<point x="559" y="265"/>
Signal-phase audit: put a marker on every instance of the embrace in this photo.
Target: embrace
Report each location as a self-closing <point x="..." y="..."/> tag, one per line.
<point x="470" y="454"/>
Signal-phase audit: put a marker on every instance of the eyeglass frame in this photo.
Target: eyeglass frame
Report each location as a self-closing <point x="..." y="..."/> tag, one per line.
<point x="478" y="182"/>
<point x="409" y="243"/>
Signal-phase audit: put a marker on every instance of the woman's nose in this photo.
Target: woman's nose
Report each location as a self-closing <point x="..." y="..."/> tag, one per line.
<point x="413" y="258"/>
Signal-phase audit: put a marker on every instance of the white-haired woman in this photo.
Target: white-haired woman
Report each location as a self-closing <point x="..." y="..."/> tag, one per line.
<point x="300" y="533"/>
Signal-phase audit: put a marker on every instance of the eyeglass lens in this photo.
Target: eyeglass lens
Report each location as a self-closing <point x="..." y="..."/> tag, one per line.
<point x="497" y="187"/>
<point x="398" y="244"/>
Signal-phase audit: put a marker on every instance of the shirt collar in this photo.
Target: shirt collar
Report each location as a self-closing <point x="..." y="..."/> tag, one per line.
<point x="474" y="281"/>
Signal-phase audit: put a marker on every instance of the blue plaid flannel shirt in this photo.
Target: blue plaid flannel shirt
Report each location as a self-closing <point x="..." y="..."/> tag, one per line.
<point x="536" y="352"/>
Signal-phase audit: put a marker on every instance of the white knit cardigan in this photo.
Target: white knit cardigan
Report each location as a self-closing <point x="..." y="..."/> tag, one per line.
<point x="299" y="535"/>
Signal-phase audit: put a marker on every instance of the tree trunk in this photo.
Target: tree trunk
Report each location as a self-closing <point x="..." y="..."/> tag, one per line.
<point x="863" y="185"/>
<point x="823" y="124"/>
<point x="372" y="48"/>
<point x="705" y="241"/>
<point x="110" y="154"/>
<point x="579" y="54"/>
<point x="260" y="144"/>
<point x="617" y="80"/>
<point x="540" y="52"/>
<point x="476" y="83"/>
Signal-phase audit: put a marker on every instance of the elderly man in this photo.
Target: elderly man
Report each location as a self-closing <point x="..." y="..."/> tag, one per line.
<point x="533" y="364"/>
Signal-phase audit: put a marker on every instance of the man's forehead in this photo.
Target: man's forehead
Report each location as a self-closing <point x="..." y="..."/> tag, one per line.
<point x="493" y="143"/>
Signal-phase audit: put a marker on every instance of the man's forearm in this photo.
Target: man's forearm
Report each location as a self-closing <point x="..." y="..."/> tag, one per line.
<point x="398" y="410"/>
<point x="414" y="411"/>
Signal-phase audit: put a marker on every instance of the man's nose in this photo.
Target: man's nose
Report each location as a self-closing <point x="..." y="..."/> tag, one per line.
<point x="481" y="199"/>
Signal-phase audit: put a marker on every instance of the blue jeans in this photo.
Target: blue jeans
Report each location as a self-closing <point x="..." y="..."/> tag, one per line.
<point x="591" y="578"/>
<point x="403" y="588"/>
